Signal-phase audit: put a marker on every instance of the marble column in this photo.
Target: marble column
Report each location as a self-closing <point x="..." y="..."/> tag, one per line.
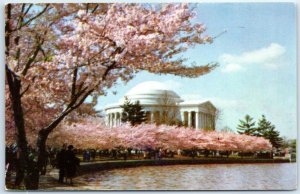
<point x="152" y="117"/>
<point x="197" y="120"/>
<point x="113" y="119"/>
<point x="201" y="120"/>
<point x="189" y="119"/>
<point x="204" y="120"/>
<point x="120" y="118"/>
<point x="158" y="117"/>
<point x="116" y="120"/>
<point x="109" y="120"/>
<point x="182" y="117"/>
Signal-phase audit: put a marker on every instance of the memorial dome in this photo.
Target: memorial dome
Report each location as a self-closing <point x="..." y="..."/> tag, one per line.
<point x="151" y="92"/>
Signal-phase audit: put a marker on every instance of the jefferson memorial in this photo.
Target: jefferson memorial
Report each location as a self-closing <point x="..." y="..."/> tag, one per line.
<point x="154" y="97"/>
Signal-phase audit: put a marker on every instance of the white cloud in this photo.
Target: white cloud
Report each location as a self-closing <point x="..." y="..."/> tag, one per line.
<point x="268" y="57"/>
<point x="232" y="67"/>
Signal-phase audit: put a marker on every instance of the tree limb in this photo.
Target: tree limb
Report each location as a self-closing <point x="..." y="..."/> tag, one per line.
<point x="34" y="17"/>
<point x="25" y="13"/>
<point x="73" y="90"/>
<point x="73" y="105"/>
<point x="95" y="8"/>
<point x="30" y="60"/>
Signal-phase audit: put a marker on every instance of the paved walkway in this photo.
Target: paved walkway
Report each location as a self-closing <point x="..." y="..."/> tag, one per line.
<point x="50" y="182"/>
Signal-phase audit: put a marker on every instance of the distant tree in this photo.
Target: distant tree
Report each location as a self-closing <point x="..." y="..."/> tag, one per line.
<point x="218" y="117"/>
<point x="288" y="143"/>
<point x="285" y="142"/>
<point x="273" y="136"/>
<point x="267" y="130"/>
<point x="133" y="113"/>
<point x="85" y="110"/>
<point x="247" y="126"/>
<point x="293" y="145"/>
<point x="169" y="110"/>
<point x="227" y="129"/>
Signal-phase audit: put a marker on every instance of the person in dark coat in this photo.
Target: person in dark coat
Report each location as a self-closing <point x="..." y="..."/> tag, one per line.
<point x="84" y="156"/>
<point x="72" y="163"/>
<point x="93" y="154"/>
<point x="61" y="159"/>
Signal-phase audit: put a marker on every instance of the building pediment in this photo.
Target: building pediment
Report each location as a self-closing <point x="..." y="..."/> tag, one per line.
<point x="208" y="106"/>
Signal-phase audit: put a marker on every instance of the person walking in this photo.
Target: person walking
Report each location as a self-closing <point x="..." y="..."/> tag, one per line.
<point x="72" y="164"/>
<point x="84" y="155"/>
<point x="61" y="163"/>
<point x="45" y="162"/>
<point x="93" y="154"/>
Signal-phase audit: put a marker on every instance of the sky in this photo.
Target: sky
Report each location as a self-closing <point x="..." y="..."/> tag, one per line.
<point x="257" y="70"/>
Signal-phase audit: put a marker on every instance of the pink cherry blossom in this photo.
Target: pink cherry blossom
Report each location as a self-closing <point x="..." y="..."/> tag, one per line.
<point x="92" y="133"/>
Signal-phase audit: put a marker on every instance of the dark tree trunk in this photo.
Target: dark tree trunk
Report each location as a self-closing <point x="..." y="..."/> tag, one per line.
<point x="14" y="84"/>
<point x="28" y="168"/>
<point x="15" y="87"/>
<point x="33" y="177"/>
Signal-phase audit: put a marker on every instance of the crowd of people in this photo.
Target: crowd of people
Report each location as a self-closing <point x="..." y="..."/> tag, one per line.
<point x="65" y="160"/>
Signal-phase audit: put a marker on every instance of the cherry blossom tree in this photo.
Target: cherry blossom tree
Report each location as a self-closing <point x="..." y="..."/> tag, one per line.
<point x="59" y="54"/>
<point x="92" y="133"/>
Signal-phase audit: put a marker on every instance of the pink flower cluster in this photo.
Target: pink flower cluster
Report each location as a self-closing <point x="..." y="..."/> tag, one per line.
<point x="92" y="134"/>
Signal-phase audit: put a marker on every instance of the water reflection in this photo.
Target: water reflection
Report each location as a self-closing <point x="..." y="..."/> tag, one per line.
<point x="196" y="177"/>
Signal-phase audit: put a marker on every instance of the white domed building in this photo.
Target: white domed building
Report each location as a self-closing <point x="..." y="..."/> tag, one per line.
<point x="157" y="99"/>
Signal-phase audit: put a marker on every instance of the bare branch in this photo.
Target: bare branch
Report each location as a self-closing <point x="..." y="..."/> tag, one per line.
<point x="34" y="55"/>
<point x="34" y="17"/>
<point x="95" y="8"/>
<point x="73" y="90"/>
<point x="87" y="8"/>
<point x="29" y="7"/>
<point x="27" y="88"/>
<point x="8" y="29"/>
<point x="30" y="60"/>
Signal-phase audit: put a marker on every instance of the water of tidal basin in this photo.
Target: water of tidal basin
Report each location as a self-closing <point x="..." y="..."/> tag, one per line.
<point x="281" y="176"/>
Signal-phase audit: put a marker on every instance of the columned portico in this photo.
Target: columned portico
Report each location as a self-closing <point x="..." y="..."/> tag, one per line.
<point x="198" y="120"/>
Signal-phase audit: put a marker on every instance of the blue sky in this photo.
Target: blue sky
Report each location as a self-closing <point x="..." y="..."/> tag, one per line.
<point x="257" y="58"/>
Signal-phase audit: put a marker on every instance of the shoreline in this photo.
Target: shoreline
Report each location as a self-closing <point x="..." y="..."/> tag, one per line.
<point x="88" y="167"/>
